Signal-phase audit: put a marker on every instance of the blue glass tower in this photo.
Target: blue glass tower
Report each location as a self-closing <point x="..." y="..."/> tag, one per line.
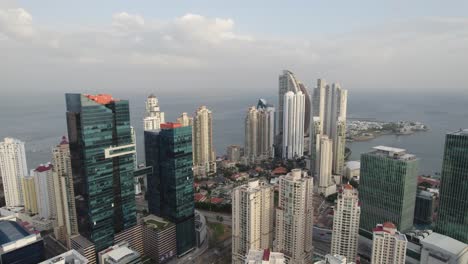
<point x="170" y="186"/>
<point x="102" y="161"/>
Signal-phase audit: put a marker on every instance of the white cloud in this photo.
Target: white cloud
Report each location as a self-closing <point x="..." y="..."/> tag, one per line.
<point x="419" y="54"/>
<point x="16" y="23"/>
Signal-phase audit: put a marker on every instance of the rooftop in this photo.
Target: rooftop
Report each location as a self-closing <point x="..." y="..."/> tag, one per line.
<point x="393" y="153"/>
<point x="446" y="243"/>
<point x="156" y="222"/>
<point x="353" y="165"/>
<point x="170" y="125"/>
<point x="11" y="231"/>
<point x="120" y="253"/>
<point x="461" y="132"/>
<point x="71" y="256"/>
<point x="101" y="98"/>
<point x="42" y="167"/>
<point x="389" y="149"/>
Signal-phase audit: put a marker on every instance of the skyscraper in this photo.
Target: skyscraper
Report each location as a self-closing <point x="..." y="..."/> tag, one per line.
<point x="154" y="117"/>
<point x="452" y="217"/>
<point x="294" y="217"/>
<point x="387" y="188"/>
<point x="185" y="120"/>
<point x="388" y="245"/>
<point x="233" y="153"/>
<point x="289" y="83"/>
<point x="293" y="125"/>
<point x="13" y="167"/>
<point x="45" y="190"/>
<point x="330" y="106"/>
<point x="204" y="158"/>
<point x="259" y="131"/>
<point x="170" y="186"/>
<point x="102" y="153"/>
<point x="252" y="219"/>
<point x="67" y="224"/>
<point x="29" y="194"/>
<point x="346" y="224"/>
<point x="326" y="185"/>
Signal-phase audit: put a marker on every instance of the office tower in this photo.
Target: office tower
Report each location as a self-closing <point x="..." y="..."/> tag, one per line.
<point x="233" y="153"/>
<point x="18" y="245"/>
<point x="346" y="224"/>
<point x="452" y="216"/>
<point x="69" y="257"/>
<point x="29" y="194"/>
<point x="289" y="83"/>
<point x="170" y="186"/>
<point x="330" y="104"/>
<point x="440" y="249"/>
<point x="424" y="208"/>
<point x="326" y="184"/>
<point x="264" y="256"/>
<point x="252" y="219"/>
<point x="13" y="167"/>
<point x="67" y="224"/>
<point x="294" y="217"/>
<point x="388" y="245"/>
<point x="387" y="188"/>
<point x="154" y="117"/>
<point x="293" y="122"/>
<point x="204" y="158"/>
<point x="101" y="152"/>
<point x="45" y="190"/>
<point x="185" y="120"/>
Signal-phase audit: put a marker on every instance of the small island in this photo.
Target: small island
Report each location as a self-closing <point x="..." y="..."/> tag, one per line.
<point x="363" y="130"/>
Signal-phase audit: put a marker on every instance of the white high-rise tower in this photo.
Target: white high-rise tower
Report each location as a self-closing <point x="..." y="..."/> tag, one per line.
<point x="346" y="224"/>
<point x="154" y="117"/>
<point x="294" y="217"/>
<point x="13" y="167"/>
<point x="388" y="245"/>
<point x="259" y="132"/>
<point x="293" y="125"/>
<point x="252" y="219"/>
<point x="326" y="184"/>
<point x="204" y="158"/>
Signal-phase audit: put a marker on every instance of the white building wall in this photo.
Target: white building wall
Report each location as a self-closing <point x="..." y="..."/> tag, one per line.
<point x="13" y="167"/>
<point x="154" y="117"/>
<point x="293" y="125"/>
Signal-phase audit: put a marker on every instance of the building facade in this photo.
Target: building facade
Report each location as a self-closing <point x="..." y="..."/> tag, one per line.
<point x="424" y="208"/>
<point x="102" y="154"/>
<point x="29" y="194"/>
<point x="154" y="117"/>
<point x="185" y="120"/>
<point x="294" y="217"/>
<point x="346" y="224"/>
<point x="204" y="157"/>
<point x="264" y="257"/>
<point x="67" y="224"/>
<point x="259" y="132"/>
<point x="45" y="191"/>
<point x="388" y="245"/>
<point x="12" y="167"/>
<point x="387" y="188"/>
<point x="233" y="153"/>
<point x="159" y="239"/>
<point x="252" y="219"/>
<point x="170" y="186"/>
<point x="293" y="125"/>
<point x="440" y="249"/>
<point x="326" y="185"/>
<point x="452" y="216"/>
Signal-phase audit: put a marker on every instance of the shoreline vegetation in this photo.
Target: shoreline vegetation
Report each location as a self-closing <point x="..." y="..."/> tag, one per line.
<point x="365" y="130"/>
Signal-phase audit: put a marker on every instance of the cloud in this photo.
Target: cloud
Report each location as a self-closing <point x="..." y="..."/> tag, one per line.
<point x="201" y="53"/>
<point x="16" y="23"/>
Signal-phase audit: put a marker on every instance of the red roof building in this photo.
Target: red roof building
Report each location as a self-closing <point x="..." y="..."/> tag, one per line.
<point x="216" y="200"/>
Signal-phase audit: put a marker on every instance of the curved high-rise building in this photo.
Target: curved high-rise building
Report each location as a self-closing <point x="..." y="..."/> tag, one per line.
<point x="293" y="125"/>
<point x="289" y="83"/>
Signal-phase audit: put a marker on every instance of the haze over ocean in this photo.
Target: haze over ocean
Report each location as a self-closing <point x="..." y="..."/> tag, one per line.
<point x="40" y="120"/>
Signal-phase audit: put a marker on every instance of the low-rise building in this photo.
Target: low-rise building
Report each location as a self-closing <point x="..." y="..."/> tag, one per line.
<point x="17" y="245"/>
<point x="159" y="239"/>
<point x="352" y="170"/>
<point x="440" y="249"/>
<point x="334" y="259"/>
<point x="119" y="254"/>
<point x="200" y="228"/>
<point x="85" y="247"/>
<point x="69" y="257"/>
<point x="264" y="257"/>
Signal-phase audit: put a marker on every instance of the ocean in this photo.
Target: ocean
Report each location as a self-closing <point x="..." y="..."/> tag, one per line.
<point x="40" y="120"/>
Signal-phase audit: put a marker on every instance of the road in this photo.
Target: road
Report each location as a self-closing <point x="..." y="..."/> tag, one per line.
<point x="211" y="217"/>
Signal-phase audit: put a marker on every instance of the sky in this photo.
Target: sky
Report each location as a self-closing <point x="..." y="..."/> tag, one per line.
<point x="229" y="47"/>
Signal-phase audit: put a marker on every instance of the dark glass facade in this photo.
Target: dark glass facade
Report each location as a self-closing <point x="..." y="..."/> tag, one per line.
<point x="387" y="190"/>
<point x="170" y="186"/>
<point x="102" y="160"/>
<point x="452" y="217"/>
<point x="424" y="209"/>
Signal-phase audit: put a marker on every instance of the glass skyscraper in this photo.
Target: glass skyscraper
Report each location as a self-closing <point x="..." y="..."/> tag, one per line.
<point x="452" y="217"/>
<point x="170" y="186"/>
<point x="387" y="188"/>
<point x="102" y="158"/>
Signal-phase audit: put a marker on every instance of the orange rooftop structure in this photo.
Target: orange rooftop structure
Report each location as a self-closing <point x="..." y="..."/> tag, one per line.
<point x="101" y="98"/>
<point x="170" y="125"/>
